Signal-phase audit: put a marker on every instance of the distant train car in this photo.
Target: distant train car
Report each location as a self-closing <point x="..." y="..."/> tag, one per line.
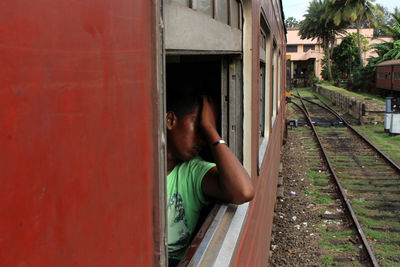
<point x="82" y="126"/>
<point x="388" y="76"/>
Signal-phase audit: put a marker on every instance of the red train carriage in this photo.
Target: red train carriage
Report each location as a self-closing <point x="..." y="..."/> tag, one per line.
<point x="396" y="77"/>
<point x="82" y="126"/>
<point x="388" y="76"/>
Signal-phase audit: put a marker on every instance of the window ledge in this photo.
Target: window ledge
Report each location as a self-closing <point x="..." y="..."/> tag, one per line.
<point x="216" y="241"/>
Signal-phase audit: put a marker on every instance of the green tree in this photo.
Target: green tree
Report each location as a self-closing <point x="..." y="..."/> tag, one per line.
<point x="393" y="53"/>
<point x="388" y="50"/>
<point x="336" y="73"/>
<point x="383" y="17"/>
<point x="319" y="25"/>
<point x="385" y="51"/>
<point x="354" y="11"/>
<point x="346" y="56"/>
<point x="291" y="22"/>
<point x="394" y="29"/>
<point x="392" y="20"/>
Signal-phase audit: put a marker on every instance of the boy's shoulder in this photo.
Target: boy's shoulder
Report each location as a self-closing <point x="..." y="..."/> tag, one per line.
<point x="198" y="162"/>
<point x="196" y="165"/>
<point x="192" y="162"/>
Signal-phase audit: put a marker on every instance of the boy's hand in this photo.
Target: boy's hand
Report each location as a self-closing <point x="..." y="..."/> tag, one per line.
<point x="228" y="181"/>
<point x="208" y="120"/>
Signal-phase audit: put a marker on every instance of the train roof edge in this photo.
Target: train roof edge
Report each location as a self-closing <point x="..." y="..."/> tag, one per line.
<point x="390" y="62"/>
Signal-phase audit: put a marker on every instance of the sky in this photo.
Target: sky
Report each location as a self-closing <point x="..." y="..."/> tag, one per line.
<point x="297" y="8"/>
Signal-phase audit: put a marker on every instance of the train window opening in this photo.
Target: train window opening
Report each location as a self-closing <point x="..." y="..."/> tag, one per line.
<point x="261" y="109"/>
<point x="263" y="43"/>
<point x="218" y="76"/>
<point x="279" y="81"/>
<point x="274" y="82"/>
<point x="264" y="88"/>
<point x="202" y="73"/>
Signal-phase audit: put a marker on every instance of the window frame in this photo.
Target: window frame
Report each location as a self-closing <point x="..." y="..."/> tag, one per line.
<point x="226" y="221"/>
<point x="264" y="120"/>
<point x="279" y="78"/>
<point x="274" y="83"/>
<point x="231" y="124"/>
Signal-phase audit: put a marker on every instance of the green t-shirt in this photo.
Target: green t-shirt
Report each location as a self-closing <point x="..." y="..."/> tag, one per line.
<point x="185" y="201"/>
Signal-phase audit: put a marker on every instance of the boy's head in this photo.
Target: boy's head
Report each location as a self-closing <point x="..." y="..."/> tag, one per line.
<point x="183" y="98"/>
<point x="184" y="140"/>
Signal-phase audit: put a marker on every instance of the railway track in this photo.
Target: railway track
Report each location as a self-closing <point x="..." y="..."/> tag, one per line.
<point x="329" y="238"/>
<point x="369" y="184"/>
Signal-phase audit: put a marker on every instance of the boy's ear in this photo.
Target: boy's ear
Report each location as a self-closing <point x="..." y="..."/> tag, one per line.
<point x="171" y="120"/>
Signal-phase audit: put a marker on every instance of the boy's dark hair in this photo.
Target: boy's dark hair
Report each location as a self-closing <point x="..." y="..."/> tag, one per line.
<point x="183" y="97"/>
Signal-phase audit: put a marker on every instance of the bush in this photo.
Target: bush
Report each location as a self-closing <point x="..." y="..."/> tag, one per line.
<point x="364" y="78"/>
<point x="311" y="79"/>
<point x="336" y="73"/>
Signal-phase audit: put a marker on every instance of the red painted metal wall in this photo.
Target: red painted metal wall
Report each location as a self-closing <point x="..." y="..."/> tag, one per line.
<point x="255" y="243"/>
<point x="384" y="80"/>
<point x="253" y="249"/>
<point x="76" y="133"/>
<point x="396" y="83"/>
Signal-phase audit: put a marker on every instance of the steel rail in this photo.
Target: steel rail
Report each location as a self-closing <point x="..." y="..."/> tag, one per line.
<point x="341" y="190"/>
<point x="391" y="162"/>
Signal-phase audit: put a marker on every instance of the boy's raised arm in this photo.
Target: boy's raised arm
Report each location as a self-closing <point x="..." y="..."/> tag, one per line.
<point x="229" y="181"/>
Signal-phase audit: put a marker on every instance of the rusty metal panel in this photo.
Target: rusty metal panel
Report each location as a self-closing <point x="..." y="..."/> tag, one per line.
<point x="255" y="239"/>
<point x="396" y="78"/>
<point x="76" y="133"/>
<point x="383" y="77"/>
<point x="253" y="249"/>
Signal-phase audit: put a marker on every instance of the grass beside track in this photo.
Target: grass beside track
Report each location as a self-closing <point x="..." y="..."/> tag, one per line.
<point x="357" y="95"/>
<point x="389" y="145"/>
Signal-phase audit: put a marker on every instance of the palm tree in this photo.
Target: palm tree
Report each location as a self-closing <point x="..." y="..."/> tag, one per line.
<point x="393" y="53"/>
<point x="356" y="11"/>
<point x="319" y="25"/>
<point x="388" y="50"/>
<point x="395" y="30"/>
